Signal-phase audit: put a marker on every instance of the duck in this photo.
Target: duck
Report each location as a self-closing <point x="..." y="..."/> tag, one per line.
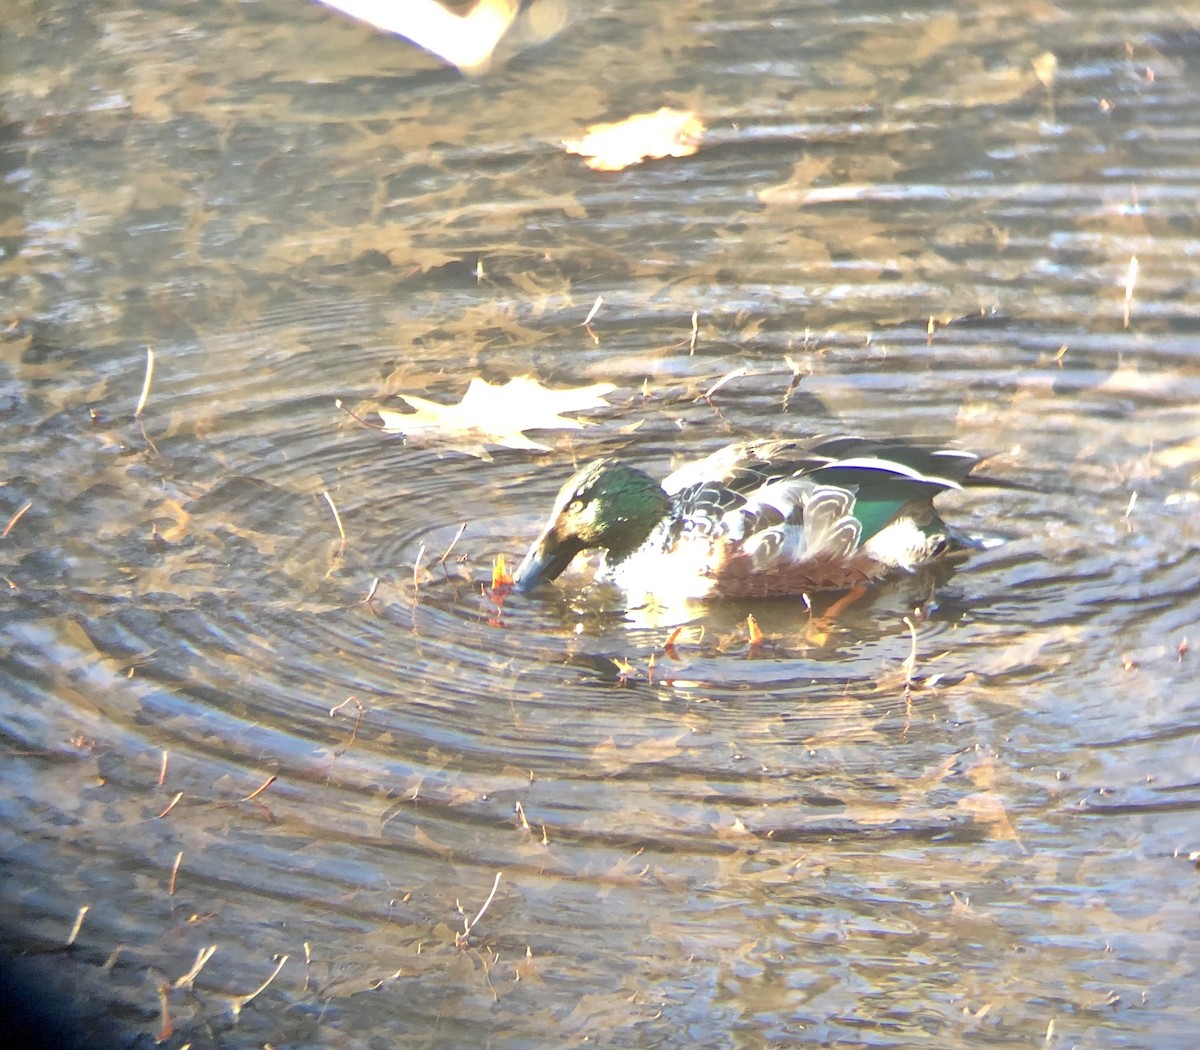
<point x="759" y="519"/>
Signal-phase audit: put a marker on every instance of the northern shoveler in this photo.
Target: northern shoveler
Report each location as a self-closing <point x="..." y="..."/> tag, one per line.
<point x="763" y="519"/>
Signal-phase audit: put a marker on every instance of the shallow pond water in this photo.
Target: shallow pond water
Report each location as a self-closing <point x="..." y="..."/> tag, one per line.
<point x="961" y="815"/>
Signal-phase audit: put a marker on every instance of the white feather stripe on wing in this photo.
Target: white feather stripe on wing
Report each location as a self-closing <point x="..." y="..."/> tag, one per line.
<point x="774" y="548"/>
<point x="889" y="466"/>
<point x="830" y="527"/>
<point x="785" y="496"/>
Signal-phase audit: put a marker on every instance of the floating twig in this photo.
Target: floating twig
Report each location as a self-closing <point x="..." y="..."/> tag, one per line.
<point x="798" y="373"/>
<point x="240" y="1001"/>
<point x="357" y="418"/>
<point x="457" y="536"/>
<point x="78" y="924"/>
<point x="592" y="312"/>
<point x="202" y="957"/>
<point x="338" y="519"/>
<point x="910" y="661"/>
<point x="137" y="412"/>
<point x="417" y="567"/>
<point x="357" y="720"/>
<point x="737" y="373"/>
<point x="462" y="939"/>
<point x="1130" y="280"/>
<point x="162" y="769"/>
<point x="486" y="903"/>
<point x="174" y="802"/>
<point x="1130" y="505"/>
<point x="166" y="1030"/>
<point x="695" y="332"/>
<point x="174" y="873"/>
<point x="910" y="668"/>
<point x="14" y="519"/>
<point x="261" y="788"/>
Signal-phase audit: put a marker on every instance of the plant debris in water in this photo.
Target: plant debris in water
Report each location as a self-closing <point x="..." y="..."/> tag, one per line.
<point x="495" y="415"/>
<point x="644" y="136"/>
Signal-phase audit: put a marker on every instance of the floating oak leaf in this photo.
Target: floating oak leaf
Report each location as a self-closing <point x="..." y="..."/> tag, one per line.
<point x="495" y="415"/>
<point x="665" y="133"/>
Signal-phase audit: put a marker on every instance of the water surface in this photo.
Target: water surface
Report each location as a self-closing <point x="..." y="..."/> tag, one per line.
<point x="895" y="227"/>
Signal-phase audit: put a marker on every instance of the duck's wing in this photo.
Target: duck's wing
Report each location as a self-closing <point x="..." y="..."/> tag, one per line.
<point x="749" y="466"/>
<point x="783" y="516"/>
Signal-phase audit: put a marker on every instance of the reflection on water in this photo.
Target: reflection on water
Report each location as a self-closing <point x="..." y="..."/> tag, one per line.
<point x="972" y="830"/>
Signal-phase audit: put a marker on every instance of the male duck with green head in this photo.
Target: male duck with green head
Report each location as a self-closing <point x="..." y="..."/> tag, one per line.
<point x="764" y="519"/>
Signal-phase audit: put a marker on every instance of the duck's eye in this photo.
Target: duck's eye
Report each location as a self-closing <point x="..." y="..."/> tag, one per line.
<point x="575" y="506"/>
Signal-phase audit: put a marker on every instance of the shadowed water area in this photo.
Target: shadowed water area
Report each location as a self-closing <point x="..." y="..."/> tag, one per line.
<point x="959" y="815"/>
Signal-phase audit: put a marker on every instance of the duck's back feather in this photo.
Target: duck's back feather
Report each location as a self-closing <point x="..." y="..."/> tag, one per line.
<point x="781" y="517"/>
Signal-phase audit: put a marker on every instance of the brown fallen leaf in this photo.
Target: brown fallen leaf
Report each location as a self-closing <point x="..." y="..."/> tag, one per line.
<point x="495" y="415"/>
<point x="664" y="133"/>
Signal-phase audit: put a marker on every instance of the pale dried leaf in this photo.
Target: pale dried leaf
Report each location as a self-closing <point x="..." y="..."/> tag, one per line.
<point x="664" y="133"/>
<point x="495" y="415"/>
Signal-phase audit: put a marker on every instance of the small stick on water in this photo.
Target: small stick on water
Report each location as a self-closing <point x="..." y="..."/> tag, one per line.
<point x="371" y="592"/>
<point x="417" y="567"/>
<point x="695" y="332"/>
<point x="202" y="957"/>
<point x="261" y="788"/>
<point x="457" y="536"/>
<point x="910" y="667"/>
<point x="1130" y="280"/>
<point x="910" y="661"/>
<point x="14" y="519"/>
<point x="756" y="635"/>
<point x="162" y="769"/>
<point x="137" y="412"/>
<point x="462" y="938"/>
<point x="173" y="804"/>
<point x="358" y="718"/>
<point x="349" y="700"/>
<point x="338" y="519"/>
<point x="486" y="903"/>
<point x="78" y="924"/>
<point x="737" y="373"/>
<point x="240" y="1001"/>
<point x="1127" y="517"/>
<point x="167" y="1029"/>
<point x="592" y="312"/>
<point x="797" y="375"/>
<point x="174" y="873"/>
<point x="358" y="418"/>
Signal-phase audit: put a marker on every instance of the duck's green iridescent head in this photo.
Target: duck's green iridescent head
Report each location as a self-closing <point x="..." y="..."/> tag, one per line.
<point x="607" y="505"/>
